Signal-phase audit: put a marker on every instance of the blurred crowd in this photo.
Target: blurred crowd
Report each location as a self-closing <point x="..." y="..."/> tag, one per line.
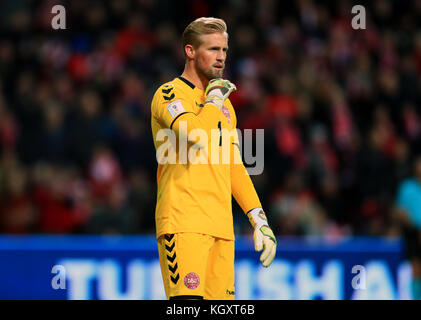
<point x="340" y="108"/>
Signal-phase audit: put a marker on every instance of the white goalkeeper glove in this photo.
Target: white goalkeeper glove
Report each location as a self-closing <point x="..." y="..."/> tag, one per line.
<point x="217" y="91"/>
<point x="264" y="239"/>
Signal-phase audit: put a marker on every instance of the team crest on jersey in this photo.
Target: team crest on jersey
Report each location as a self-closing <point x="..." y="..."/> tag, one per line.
<point x="175" y="108"/>
<point x="191" y="280"/>
<point x="226" y="113"/>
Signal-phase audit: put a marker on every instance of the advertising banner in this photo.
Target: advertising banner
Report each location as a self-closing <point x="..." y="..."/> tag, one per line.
<point x="127" y="267"/>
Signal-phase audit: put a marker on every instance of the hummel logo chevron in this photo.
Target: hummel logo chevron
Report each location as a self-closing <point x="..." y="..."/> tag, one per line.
<point x="170" y="248"/>
<point x="175" y="279"/>
<point x="167" y="91"/>
<point x="169" y="237"/>
<point x="171" y="259"/>
<point x="173" y="269"/>
<point x="170" y="97"/>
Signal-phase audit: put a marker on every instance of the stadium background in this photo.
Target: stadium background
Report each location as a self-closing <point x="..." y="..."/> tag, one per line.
<point x="340" y="109"/>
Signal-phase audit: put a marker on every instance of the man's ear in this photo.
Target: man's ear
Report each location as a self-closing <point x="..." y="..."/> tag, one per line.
<point x="189" y="50"/>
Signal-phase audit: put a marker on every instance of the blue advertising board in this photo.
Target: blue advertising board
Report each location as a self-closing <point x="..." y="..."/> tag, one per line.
<point x="127" y="267"/>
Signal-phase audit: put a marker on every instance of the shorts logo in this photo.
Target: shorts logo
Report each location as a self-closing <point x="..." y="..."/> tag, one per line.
<point x="191" y="280"/>
<point x="230" y="293"/>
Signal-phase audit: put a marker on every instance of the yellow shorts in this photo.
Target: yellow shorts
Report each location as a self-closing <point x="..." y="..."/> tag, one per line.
<point x="198" y="265"/>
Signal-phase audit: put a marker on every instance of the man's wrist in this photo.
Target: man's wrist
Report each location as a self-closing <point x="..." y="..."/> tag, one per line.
<point x="215" y="100"/>
<point x="257" y="217"/>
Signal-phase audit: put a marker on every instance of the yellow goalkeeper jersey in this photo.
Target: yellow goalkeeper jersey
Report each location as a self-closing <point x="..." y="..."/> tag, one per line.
<point x="195" y="186"/>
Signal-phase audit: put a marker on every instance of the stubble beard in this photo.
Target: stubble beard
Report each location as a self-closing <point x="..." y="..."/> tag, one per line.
<point x="210" y="73"/>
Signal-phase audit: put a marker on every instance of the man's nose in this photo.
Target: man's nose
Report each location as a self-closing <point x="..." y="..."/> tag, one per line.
<point x="221" y="56"/>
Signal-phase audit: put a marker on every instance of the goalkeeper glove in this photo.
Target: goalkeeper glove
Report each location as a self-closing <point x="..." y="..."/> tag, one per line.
<point x="217" y="91"/>
<point x="264" y="239"/>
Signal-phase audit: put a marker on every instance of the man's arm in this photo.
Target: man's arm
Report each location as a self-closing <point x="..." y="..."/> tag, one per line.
<point x="246" y="196"/>
<point x="241" y="184"/>
<point x="171" y="113"/>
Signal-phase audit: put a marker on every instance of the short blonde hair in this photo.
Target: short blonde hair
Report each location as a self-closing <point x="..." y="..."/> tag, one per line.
<point x="201" y="26"/>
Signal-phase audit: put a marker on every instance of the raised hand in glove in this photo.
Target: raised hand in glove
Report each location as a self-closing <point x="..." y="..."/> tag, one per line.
<point x="217" y="91"/>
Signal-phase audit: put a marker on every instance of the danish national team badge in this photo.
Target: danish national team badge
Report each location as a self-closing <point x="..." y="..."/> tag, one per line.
<point x="226" y="113"/>
<point x="191" y="280"/>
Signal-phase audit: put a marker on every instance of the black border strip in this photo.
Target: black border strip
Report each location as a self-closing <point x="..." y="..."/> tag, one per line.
<point x="186" y="297"/>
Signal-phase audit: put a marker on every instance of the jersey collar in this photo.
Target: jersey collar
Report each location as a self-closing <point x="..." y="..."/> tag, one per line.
<point x="191" y="85"/>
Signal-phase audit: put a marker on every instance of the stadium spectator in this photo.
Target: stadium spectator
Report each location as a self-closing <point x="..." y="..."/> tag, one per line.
<point x="340" y="109"/>
<point x="408" y="213"/>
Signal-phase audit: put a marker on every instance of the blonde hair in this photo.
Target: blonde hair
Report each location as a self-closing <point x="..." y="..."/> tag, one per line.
<point x="201" y="26"/>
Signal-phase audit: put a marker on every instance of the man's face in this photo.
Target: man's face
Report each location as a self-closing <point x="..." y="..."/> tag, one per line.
<point x="210" y="56"/>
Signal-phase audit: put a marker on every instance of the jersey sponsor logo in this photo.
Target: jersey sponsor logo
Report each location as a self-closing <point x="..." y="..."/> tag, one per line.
<point x="175" y="108"/>
<point x="191" y="280"/>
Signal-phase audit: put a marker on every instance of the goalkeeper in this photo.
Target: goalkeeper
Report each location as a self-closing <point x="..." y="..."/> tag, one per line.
<point x="194" y="222"/>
